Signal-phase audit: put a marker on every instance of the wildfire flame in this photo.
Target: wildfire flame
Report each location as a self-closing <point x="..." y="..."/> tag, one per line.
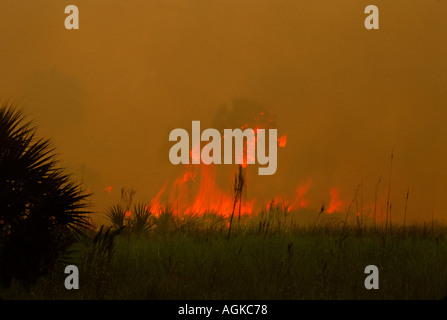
<point x="212" y="199"/>
<point x="282" y="141"/>
<point x="155" y="204"/>
<point x="335" y="203"/>
<point x="195" y="190"/>
<point x="300" y="200"/>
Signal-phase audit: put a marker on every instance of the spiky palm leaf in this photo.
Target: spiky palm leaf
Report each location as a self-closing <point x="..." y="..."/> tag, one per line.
<point x="40" y="207"/>
<point x="116" y="214"/>
<point x="141" y="219"/>
<point x="166" y="221"/>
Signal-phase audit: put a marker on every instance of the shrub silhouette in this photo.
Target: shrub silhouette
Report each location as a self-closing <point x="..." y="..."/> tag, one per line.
<point x="41" y="210"/>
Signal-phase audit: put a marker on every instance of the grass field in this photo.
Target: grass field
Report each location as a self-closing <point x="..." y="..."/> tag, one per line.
<point x="265" y="258"/>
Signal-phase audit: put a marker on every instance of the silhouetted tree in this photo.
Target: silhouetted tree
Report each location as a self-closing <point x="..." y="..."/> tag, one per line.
<point x="41" y="209"/>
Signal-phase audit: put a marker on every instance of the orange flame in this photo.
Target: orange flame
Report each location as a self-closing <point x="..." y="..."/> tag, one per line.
<point x="211" y="199"/>
<point x="300" y="201"/>
<point x="195" y="191"/>
<point x="335" y="204"/>
<point x="155" y="204"/>
<point x="282" y="141"/>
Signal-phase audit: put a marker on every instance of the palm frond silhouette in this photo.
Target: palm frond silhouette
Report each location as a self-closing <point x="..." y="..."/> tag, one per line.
<point x="41" y="209"/>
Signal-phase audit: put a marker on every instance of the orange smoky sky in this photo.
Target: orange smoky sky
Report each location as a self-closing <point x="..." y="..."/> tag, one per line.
<point x="109" y="93"/>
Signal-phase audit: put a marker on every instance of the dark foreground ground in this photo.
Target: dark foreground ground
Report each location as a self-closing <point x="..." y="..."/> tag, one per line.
<point x="307" y="263"/>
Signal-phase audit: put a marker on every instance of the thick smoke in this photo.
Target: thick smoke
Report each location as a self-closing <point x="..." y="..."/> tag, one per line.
<point x="110" y="92"/>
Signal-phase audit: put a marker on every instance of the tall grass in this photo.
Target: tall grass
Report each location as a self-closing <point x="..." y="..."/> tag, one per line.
<point x="275" y="255"/>
<point x="306" y="263"/>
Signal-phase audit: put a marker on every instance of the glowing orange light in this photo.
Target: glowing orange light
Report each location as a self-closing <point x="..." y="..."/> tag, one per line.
<point x="335" y="204"/>
<point x="282" y="141"/>
<point x="195" y="190"/>
<point x="300" y="201"/>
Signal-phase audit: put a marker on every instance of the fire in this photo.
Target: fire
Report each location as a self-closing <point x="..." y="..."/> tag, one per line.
<point x="282" y="141"/>
<point x="109" y="189"/>
<point x="208" y="198"/>
<point x="212" y="199"/>
<point x="196" y="191"/>
<point x="155" y="204"/>
<point x="300" y="201"/>
<point x="335" y="204"/>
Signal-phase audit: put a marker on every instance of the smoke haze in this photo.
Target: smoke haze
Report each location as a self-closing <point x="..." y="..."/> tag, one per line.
<point x="109" y="93"/>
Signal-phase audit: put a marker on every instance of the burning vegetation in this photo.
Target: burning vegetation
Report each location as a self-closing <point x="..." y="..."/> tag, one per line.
<point x="196" y="191"/>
